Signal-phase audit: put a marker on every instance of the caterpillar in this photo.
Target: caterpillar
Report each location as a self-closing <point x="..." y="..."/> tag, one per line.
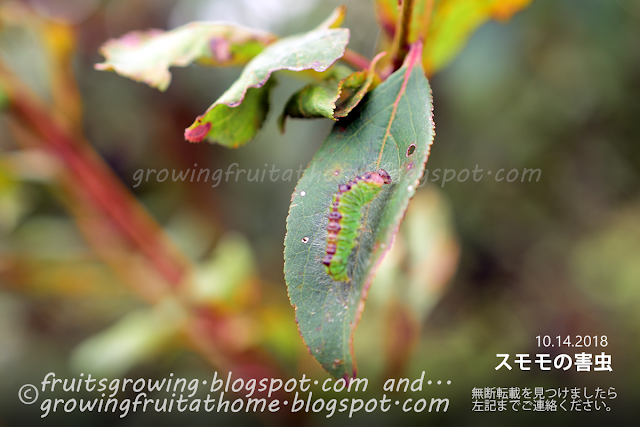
<point x="344" y="220"/>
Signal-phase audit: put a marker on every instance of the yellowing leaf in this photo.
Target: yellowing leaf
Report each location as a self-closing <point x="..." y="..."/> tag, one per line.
<point x="445" y="25"/>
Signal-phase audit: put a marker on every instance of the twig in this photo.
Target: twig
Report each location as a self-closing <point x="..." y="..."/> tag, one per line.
<point x="400" y="45"/>
<point x="97" y="182"/>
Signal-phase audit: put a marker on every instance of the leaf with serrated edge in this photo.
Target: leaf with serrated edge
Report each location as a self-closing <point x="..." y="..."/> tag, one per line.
<point x="394" y="116"/>
<point x="147" y="55"/>
<point x="316" y="50"/>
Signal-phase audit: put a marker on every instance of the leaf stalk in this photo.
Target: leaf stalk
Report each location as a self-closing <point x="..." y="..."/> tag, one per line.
<point x="400" y="45"/>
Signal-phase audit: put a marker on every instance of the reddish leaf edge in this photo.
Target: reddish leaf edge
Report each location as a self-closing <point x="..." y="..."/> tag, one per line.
<point x="413" y="58"/>
<point x="195" y="134"/>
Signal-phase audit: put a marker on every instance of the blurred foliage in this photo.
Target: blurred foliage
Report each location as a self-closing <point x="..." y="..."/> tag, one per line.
<point x="135" y="338"/>
<point x="445" y="25"/>
<point x="555" y="88"/>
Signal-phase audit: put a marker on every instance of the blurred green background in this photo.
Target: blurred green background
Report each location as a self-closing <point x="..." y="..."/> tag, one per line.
<point x="556" y="88"/>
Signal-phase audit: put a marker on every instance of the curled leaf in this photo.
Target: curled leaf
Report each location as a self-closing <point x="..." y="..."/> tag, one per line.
<point x="198" y="132"/>
<point x="233" y="126"/>
<point x="316" y="99"/>
<point x="333" y="98"/>
<point x="315" y="50"/>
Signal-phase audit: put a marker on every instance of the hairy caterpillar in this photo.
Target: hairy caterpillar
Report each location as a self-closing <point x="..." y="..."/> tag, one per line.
<point x="344" y="219"/>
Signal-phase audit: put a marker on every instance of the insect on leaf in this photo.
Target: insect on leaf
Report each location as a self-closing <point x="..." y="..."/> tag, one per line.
<point x="392" y="129"/>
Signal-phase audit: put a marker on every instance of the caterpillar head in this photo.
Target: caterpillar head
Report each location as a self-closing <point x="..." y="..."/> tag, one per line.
<point x="385" y="176"/>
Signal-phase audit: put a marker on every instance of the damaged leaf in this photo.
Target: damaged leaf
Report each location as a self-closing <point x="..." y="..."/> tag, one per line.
<point x="316" y="50"/>
<point x="332" y="98"/>
<point x="146" y="56"/>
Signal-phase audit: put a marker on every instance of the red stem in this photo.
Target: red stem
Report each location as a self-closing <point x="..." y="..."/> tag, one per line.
<point x="355" y="60"/>
<point x="103" y="189"/>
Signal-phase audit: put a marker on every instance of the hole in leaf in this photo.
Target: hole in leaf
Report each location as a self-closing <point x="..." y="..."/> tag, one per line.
<point x="411" y="150"/>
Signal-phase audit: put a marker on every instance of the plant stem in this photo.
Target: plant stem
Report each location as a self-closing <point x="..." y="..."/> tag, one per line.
<point x="355" y="60"/>
<point x="400" y="45"/>
<point x="96" y="182"/>
<point x="92" y="187"/>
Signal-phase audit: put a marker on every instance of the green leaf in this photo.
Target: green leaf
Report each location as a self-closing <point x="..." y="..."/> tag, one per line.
<point x="316" y="50"/>
<point x="233" y="126"/>
<point x="446" y="25"/>
<point x="227" y="274"/>
<point x="333" y="98"/>
<point x="135" y="338"/>
<point x="316" y="99"/>
<point x="394" y="117"/>
<point x="147" y="55"/>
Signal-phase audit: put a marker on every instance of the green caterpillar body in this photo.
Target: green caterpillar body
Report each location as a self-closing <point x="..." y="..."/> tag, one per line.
<point x="345" y="217"/>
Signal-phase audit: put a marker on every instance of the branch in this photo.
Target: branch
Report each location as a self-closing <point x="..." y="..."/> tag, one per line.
<point x="96" y="182"/>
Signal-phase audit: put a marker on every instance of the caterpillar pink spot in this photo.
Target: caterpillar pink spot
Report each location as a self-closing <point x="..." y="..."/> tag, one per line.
<point x="344" y="220"/>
